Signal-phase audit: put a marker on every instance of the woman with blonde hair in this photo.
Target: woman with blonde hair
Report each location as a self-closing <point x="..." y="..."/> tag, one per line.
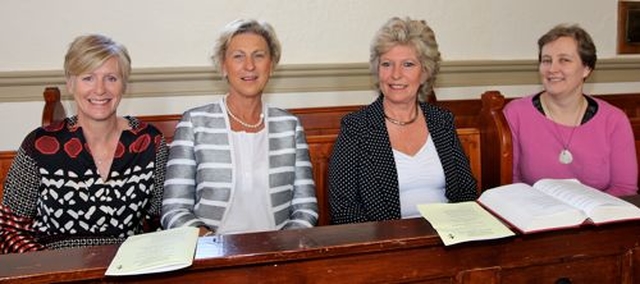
<point x="398" y="151"/>
<point x="237" y="164"/>
<point x="94" y="178"/>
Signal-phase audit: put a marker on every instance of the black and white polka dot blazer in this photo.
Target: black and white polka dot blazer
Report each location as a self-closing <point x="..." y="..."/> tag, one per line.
<point x="363" y="181"/>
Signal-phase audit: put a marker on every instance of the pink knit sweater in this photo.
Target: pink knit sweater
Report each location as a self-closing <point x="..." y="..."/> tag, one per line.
<point x="603" y="148"/>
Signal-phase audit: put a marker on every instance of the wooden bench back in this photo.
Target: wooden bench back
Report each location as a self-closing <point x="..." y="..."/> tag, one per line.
<point x="482" y="130"/>
<point x="630" y="104"/>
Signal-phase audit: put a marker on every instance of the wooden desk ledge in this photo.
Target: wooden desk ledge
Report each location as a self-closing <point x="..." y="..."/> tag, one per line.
<point x="392" y="251"/>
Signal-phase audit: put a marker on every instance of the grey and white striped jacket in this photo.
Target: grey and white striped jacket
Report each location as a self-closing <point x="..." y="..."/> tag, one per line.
<point x="200" y="176"/>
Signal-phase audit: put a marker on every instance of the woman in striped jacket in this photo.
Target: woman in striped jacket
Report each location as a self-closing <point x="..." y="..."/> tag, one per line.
<point x="238" y="165"/>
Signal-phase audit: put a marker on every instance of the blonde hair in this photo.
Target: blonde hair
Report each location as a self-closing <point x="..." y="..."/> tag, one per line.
<point x="414" y="33"/>
<point x="241" y="26"/>
<point x="87" y="53"/>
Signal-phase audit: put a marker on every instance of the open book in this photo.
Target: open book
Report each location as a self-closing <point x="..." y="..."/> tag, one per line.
<point x="553" y="204"/>
<point x="155" y="252"/>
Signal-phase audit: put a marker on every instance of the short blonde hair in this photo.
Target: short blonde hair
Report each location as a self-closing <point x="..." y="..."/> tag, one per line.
<point x="87" y="53"/>
<point x="241" y="26"/>
<point x="414" y="33"/>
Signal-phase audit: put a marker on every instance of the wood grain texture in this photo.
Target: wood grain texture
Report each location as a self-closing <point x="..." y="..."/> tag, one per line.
<point x="396" y="251"/>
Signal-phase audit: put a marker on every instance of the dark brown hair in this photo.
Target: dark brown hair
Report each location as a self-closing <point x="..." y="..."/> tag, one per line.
<point x="586" y="48"/>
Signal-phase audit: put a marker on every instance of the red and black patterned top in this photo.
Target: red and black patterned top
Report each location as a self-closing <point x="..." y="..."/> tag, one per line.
<point x="54" y="184"/>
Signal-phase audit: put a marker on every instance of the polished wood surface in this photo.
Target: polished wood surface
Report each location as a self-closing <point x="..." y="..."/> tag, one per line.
<point x="392" y="251"/>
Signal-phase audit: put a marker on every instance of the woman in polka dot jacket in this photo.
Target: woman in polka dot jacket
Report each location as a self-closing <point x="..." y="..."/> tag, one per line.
<point x="399" y="151"/>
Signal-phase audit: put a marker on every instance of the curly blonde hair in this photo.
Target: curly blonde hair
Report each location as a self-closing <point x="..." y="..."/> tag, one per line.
<point x="414" y="33"/>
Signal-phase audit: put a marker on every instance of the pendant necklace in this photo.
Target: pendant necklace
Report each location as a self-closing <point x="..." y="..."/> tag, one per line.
<point x="565" y="156"/>
<point x="399" y="122"/>
<point x="247" y="125"/>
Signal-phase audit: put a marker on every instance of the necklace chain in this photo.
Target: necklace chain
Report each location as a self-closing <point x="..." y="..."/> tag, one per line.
<point x="247" y="125"/>
<point x="565" y="154"/>
<point x="399" y="122"/>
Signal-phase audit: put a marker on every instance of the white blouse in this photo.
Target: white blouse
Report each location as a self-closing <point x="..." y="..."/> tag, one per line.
<point x="249" y="207"/>
<point x="420" y="179"/>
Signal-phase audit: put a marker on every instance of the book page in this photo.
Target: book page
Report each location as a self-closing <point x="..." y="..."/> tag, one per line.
<point x="463" y="222"/>
<point x="530" y="210"/>
<point x="155" y="252"/>
<point x="598" y="205"/>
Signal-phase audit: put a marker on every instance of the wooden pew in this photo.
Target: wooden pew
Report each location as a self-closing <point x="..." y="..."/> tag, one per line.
<point x="399" y="251"/>
<point x="481" y="128"/>
<point x="6" y="158"/>
<point x="630" y="104"/>
<point x="485" y="115"/>
<point x="52" y="109"/>
<point x="479" y="122"/>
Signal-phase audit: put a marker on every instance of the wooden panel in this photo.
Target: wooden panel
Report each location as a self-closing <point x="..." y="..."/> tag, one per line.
<point x="165" y="123"/>
<point x="465" y="111"/>
<point x="6" y="158"/>
<point x="566" y="271"/>
<point x="630" y="269"/>
<point x="470" y="139"/>
<point x="322" y="120"/>
<point x="320" y="148"/>
<point x="629" y="103"/>
<point x="485" y="275"/>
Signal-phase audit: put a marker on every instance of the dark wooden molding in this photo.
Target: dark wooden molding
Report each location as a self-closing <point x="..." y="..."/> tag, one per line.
<point x="624" y="44"/>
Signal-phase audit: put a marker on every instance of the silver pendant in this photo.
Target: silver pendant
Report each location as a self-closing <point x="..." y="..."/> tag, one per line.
<point x="565" y="157"/>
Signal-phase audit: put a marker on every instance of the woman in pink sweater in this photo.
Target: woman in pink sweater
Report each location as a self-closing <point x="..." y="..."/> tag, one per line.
<point x="563" y="133"/>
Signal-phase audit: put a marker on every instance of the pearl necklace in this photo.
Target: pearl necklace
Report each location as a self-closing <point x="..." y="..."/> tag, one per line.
<point x="401" y="123"/>
<point x="247" y="125"/>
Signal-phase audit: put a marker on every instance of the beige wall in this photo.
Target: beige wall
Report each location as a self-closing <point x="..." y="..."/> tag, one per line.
<point x="485" y="45"/>
<point x="169" y="33"/>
